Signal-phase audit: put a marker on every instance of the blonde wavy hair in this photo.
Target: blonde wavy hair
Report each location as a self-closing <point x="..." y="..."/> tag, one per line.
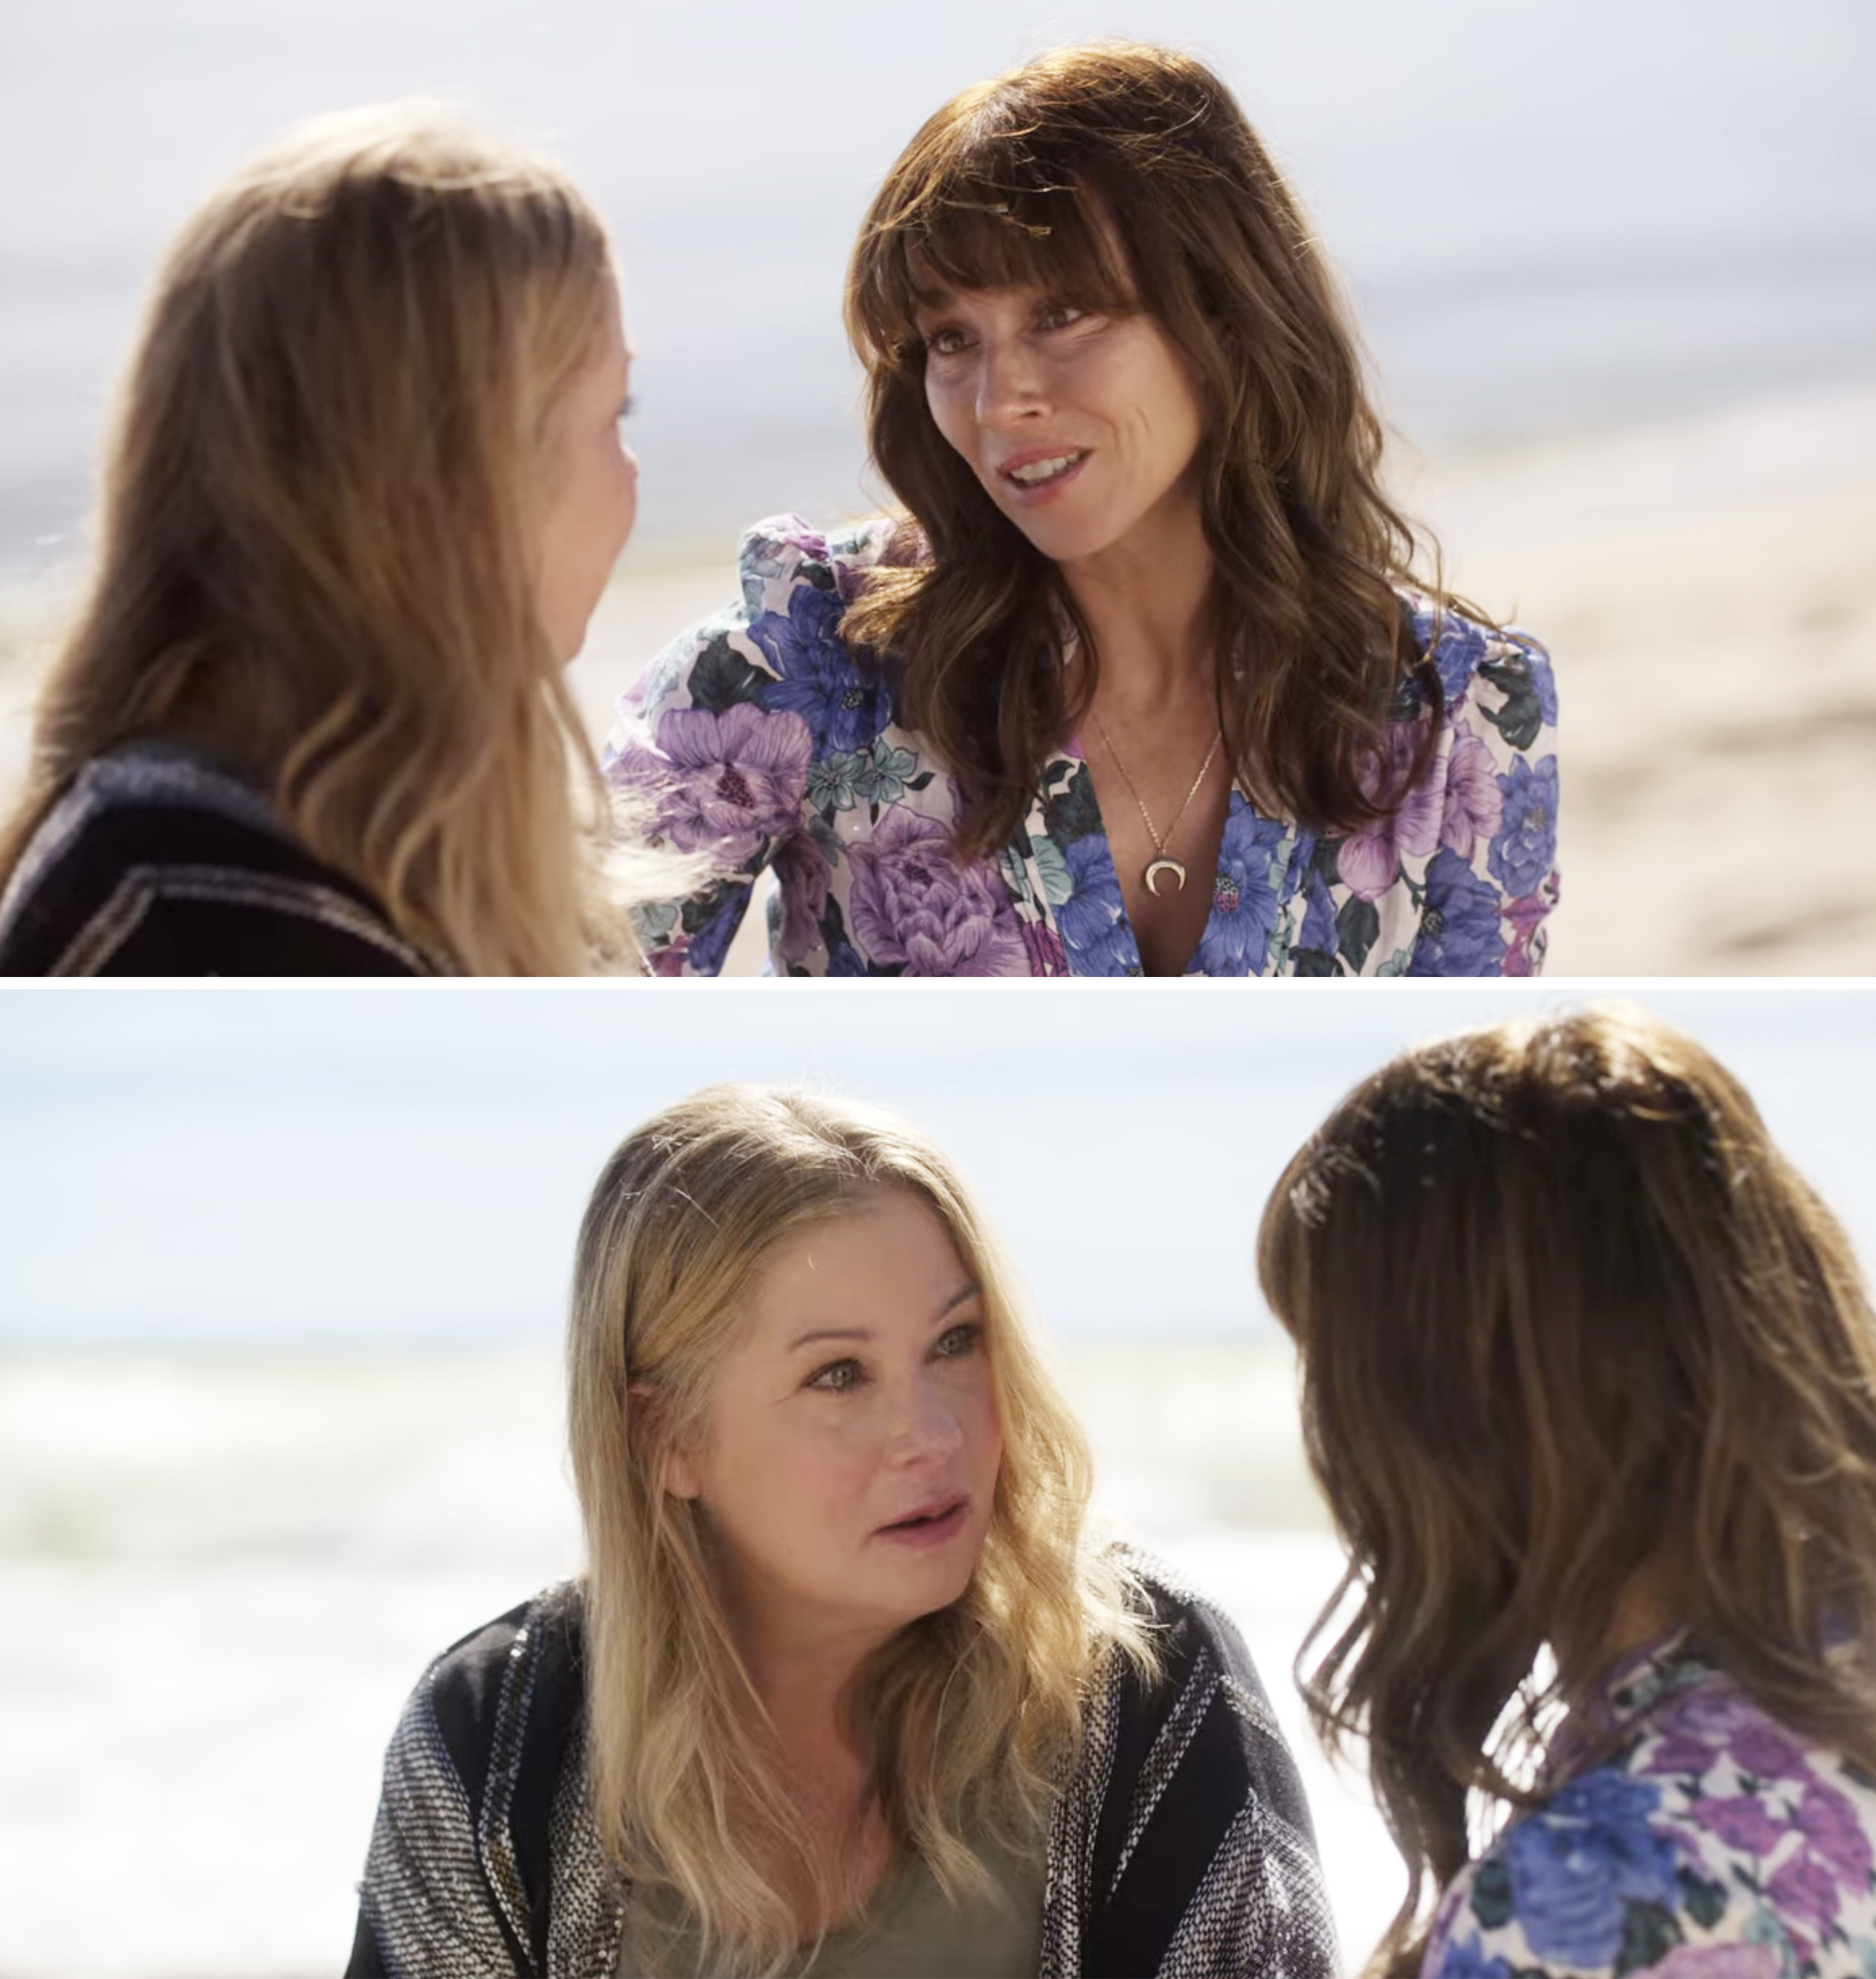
<point x="315" y="553"/>
<point x="1569" y="1321"/>
<point x="970" y="1716"/>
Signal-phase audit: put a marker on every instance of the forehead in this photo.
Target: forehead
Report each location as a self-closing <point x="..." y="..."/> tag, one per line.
<point x="889" y="1261"/>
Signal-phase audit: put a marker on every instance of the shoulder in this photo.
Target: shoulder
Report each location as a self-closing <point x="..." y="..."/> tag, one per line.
<point x="1208" y="1679"/>
<point x="1184" y="1841"/>
<point x="511" y="1677"/>
<point x="1588" y="1881"/>
<point x="794" y="583"/>
<point x="1500" y="675"/>
<point x="153" y="862"/>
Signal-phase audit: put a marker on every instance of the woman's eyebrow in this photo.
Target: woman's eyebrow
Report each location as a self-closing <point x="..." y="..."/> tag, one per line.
<point x="962" y="1296"/>
<point x="831" y="1333"/>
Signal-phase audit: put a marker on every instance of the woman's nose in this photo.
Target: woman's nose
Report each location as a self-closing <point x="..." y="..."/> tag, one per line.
<point x="926" y="1425"/>
<point x="1009" y="384"/>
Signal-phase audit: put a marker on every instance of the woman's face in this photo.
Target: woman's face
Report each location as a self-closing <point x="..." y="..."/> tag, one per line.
<point x="851" y="1455"/>
<point x="1081" y="427"/>
<point x="591" y="479"/>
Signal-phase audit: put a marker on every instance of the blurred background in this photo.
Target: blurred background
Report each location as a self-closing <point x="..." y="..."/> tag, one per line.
<point x="282" y="1277"/>
<point x="1615" y="260"/>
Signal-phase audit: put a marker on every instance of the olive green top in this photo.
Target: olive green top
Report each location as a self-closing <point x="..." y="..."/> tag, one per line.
<point x="911" y="1929"/>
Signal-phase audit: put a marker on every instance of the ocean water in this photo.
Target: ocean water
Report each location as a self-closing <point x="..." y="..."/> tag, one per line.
<point x="1566" y="211"/>
<point x="222" y="1574"/>
<point x="282" y="1271"/>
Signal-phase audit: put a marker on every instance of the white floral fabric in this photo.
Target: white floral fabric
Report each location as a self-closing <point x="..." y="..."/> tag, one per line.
<point x="1712" y="1842"/>
<point x="760" y="738"/>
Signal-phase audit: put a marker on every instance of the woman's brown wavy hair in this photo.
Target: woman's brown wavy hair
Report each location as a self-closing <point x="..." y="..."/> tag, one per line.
<point x="314" y="555"/>
<point x="1123" y="177"/>
<point x="1568" y="1321"/>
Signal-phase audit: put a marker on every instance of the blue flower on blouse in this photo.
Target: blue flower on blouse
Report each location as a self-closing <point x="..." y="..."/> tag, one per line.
<point x="1465" y="1959"/>
<point x="1236" y="941"/>
<point x="1525" y="849"/>
<point x="1462" y="645"/>
<point x="711" y="942"/>
<point x="1093" y="918"/>
<point x="1459" y="930"/>
<point x="1578" y="1862"/>
<point x="819" y="681"/>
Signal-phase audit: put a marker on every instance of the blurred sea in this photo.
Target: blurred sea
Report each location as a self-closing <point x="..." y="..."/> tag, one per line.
<point x="282" y="1271"/>
<point x="221" y="1575"/>
<point x="1562" y="213"/>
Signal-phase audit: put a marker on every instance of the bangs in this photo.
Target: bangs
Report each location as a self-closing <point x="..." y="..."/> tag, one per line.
<point x="970" y="227"/>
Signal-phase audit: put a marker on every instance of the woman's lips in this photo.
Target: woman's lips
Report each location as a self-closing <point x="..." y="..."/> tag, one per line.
<point x="1029" y="494"/>
<point x="929" y="1529"/>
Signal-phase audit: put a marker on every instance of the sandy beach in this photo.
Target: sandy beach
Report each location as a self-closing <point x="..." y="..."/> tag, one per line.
<point x="1707" y="588"/>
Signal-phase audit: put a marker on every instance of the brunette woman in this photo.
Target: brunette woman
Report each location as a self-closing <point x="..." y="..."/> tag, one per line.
<point x="364" y="488"/>
<point x="847" y="1689"/>
<point x="1589" y="1381"/>
<point x="1140" y="680"/>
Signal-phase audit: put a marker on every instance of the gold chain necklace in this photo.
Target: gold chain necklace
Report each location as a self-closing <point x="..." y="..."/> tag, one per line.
<point x="1165" y="864"/>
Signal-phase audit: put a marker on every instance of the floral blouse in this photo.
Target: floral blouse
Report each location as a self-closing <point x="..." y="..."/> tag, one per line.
<point x="1713" y="1844"/>
<point x="760" y="739"/>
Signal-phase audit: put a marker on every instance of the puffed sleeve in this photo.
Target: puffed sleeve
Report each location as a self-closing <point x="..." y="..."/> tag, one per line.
<point x="1491" y="879"/>
<point x="719" y="745"/>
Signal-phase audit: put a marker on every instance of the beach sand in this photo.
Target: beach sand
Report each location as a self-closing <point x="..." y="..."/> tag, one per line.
<point x="1707" y="588"/>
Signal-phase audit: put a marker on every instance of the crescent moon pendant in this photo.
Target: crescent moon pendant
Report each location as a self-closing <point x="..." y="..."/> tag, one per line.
<point x="1162" y="866"/>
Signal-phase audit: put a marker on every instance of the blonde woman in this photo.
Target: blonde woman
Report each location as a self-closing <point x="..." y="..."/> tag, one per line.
<point x="846" y="1689"/>
<point x="364" y="488"/>
<point x="1589" y="1381"/>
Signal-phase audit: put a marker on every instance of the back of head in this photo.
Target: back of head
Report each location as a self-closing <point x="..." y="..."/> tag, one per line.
<point x="1121" y="177"/>
<point x="680" y="1226"/>
<point x="1569" y="1323"/>
<point x="315" y="556"/>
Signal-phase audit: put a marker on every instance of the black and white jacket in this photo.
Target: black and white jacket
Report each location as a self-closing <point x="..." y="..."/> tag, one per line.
<point x="156" y="862"/>
<point x="1181" y="1847"/>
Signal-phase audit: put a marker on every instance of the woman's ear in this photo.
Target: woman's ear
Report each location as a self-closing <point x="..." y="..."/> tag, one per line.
<point x="680" y="1478"/>
<point x="678" y="1473"/>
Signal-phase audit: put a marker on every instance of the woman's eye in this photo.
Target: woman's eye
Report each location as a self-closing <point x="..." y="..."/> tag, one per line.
<point x="836" y="1377"/>
<point x="945" y="342"/>
<point x="1059" y="316"/>
<point x="956" y="1341"/>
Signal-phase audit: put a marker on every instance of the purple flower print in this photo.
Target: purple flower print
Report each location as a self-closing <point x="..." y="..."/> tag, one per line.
<point x="1459" y="930"/>
<point x="722" y="783"/>
<point x="1043" y="947"/>
<point x="1804" y="1892"/>
<point x="801" y="878"/>
<point x="1699" y="1724"/>
<point x="1524" y="849"/>
<point x="1525" y="917"/>
<point x="1370" y="859"/>
<point x="1236" y="940"/>
<point x="1093" y="918"/>
<point x="1719" y="1961"/>
<point x="1577" y="1863"/>
<point x="913" y="905"/>
<point x="1741" y="1820"/>
<point x="818" y="678"/>
<point x="1474" y="803"/>
<point x="1835" y="1835"/>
